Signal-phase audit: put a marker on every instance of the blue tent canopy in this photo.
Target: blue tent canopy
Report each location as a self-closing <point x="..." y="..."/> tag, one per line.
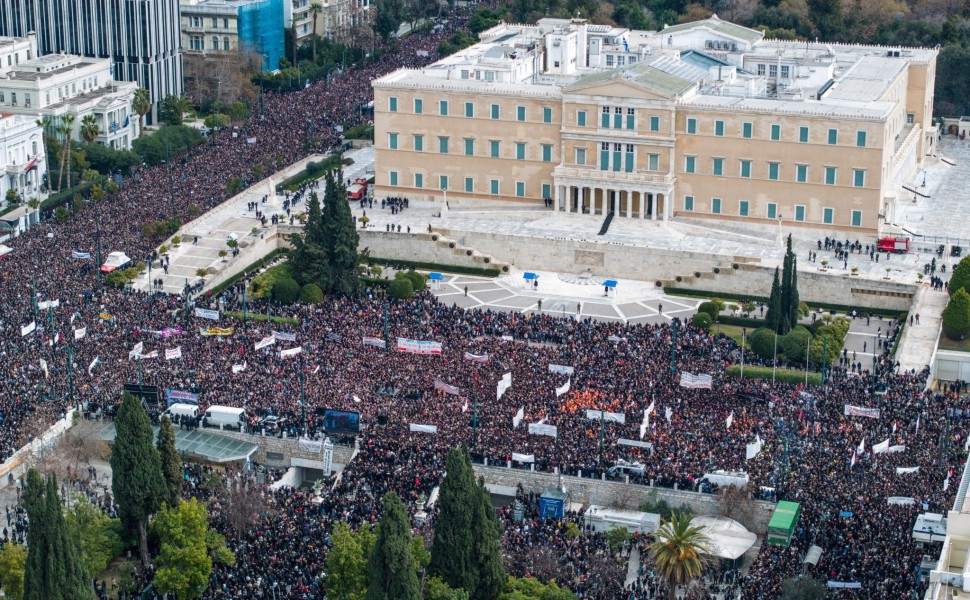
<point x="529" y="276"/>
<point x="610" y="283"/>
<point x="436" y="276"/>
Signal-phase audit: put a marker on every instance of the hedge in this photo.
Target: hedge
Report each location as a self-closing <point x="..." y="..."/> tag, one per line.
<point x="259" y="264"/>
<point x="782" y="375"/>
<point x="741" y="321"/>
<point x="691" y="293"/>
<point x="892" y="353"/>
<point x="435" y="267"/>
<point x="262" y="318"/>
<point x="66" y="196"/>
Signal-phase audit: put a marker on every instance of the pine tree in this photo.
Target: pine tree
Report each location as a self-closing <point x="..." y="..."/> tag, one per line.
<point x="344" y="258"/>
<point x="309" y="257"/>
<point x="35" y="578"/>
<point x="773" y="317"/>
<point x="171" y="464"/>
<point x="488" y="548"/>
<point x="54" y="570"/>
<point x="137" y="480"/>
<point x="452" y="551"/>
<point x="784" y="322"/>
<point x="390" y="568"/>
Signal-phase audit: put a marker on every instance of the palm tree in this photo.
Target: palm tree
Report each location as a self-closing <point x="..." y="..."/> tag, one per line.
<point x="66" y="130"/>
<point x="315" y="9"/>
<point x="141" y="104"/>
<point x="90" y="128"/>
<point x="44" y="123"/>
<point x="678" y="551"/>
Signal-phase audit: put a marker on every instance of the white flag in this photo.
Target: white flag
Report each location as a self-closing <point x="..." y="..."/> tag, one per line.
<point x="43" y="366"/>
<point x="356" y="398"/>
<point x="852" y="462"/>
<point x="881" y="447"/>
<point x="753" y="449"/>
<point x="464" y="407"/>
<point x="563" y="389"/>
<point x="946" y="482"/>
<point x="80" y="333"/>
<point x="93" y="364"/>
<point x="266" y="341"/>
<point x="518" y="417"/>
<point x="172" y="354"/>
<point x="730" y="419"/>
<point x="650" y="409"/>
<point x="862" y="446"/>
<point x="917" y="425"/>
<point x="894" y="426"/>
<point x="668" y="412"/>
<point x="239" y="368"/>
<point x="28" y="329"/>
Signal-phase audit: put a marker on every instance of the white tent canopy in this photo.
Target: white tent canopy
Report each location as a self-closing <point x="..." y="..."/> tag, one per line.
<point x="5" y="250"/>
<point x="728" y="538"/>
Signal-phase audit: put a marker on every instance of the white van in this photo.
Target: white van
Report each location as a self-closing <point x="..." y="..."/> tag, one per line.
<point x="178" y="412"/>
<point x="224" y="417"/>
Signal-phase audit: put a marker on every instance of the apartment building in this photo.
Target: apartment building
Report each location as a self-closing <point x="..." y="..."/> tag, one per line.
<point x="297" y="15"/>
<point x="338" y="18"/>
<point x="21" y="157"/>
<point x="213" y="28"/>
<point x="141" y="38"/>
<point x="57" y="85"/>
<point x="704" y="119"/>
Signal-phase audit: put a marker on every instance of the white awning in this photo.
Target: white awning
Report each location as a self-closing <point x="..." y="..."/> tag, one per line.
<point x="728" y="538"/>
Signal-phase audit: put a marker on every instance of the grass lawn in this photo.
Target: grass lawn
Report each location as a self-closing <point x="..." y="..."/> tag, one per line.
<point x="948" y="344"/>
<point x="732" y="331"/>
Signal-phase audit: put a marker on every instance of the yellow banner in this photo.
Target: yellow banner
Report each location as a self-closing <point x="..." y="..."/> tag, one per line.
<point x="105" y="316"/>
<point x="215" y="330"/>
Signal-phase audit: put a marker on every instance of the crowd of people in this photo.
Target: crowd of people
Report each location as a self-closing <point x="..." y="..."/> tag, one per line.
<point x="80" y="353"/>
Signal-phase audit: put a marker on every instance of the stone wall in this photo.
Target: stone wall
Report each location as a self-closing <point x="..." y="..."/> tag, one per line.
<point x="615" y="493"/>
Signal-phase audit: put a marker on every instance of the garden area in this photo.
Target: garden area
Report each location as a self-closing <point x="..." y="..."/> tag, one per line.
<point x="956" y="315"/>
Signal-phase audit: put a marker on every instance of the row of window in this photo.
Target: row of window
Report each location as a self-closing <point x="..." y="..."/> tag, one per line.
<point x="771" y="211"/>
<point x="774" y="132"/>
<point x="494" y="185"/>
<point x="830" y="176"/>
<point x="617" y="117"/>
<point x="197" y="42"/>
<point x="197" y="22"/>
<point x="494" y="147"/>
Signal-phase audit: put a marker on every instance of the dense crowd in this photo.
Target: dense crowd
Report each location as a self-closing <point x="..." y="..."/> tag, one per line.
<point x="811" y="453"/>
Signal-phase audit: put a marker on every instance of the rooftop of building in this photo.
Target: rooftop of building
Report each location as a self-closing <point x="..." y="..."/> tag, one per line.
<point x="52" y="65"/>
<point x="836" y="80"/>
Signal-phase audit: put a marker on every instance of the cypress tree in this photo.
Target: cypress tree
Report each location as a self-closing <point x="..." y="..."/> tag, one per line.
<point x="452" y="551"/>
<point x="785" y="301"/>
<point x="794" y="300"/>
<point x="137" y="481"/>
<point x="171" y="464"/>
<point x="309" y="256"/>
<point x="35" y="577"/>
<point x="344" y="257"/>
<point x="773" y="317"/>
<point x="488" y="548"/>
<point x="390" y="568"/>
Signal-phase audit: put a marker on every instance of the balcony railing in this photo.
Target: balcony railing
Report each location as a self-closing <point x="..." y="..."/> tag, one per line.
<point x="594" y="175"/>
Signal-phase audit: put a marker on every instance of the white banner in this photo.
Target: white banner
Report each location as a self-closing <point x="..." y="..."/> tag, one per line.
<point x="137" y="350"/>
<point x="418" y="346"/>
<point x="291" y="352"/>
<point x="28" y="329"/>
<point x="478" y="358"/>
<point x="310" y="446"/>
<point x="503" y="386"/>
<point x="560" y="369"/>
<point x="906" y="470"/>
<point x="266" y="341"/>
<point x="239" y="368"/>
<point x="327" y="457"/>
<point x="375" y="342"/>
<point x="699" y="381"/>
<point x="900" y="500"/>
<point x="423" y="428"/>
<point x="563" y="389"/>
<point x="605" y="416"/>
<point x="43" y="366"/>
<point x="172" y="354"/>
<point x="80" y="333"/>
<point x="730" y="419"/>
<point x="152" y="354"/>
<point x="537" y="429"/>
<point x="636" y="443"/>
<point x="48" y="304"/>
<point x="518" y="417"/>
<point x="523" y="458"/>
<point x="284" y="336"/>
<point x="896" y="448"/>
<point x="451" y="390"/>
<point x="204" y="313"/>
<point x="861" y="411"/>
<point x="881" y="447"/>
<point x="753" y="449"/>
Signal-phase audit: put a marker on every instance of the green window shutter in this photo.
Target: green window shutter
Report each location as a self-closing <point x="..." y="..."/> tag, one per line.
<point x="604" y="160"/>
<point x="469" y="147"/>
<point x="393" y="177"/>
<point x="470" y="110"/>
<point x="833" y="137"/>
<point x="745" y="168"/>
<point x="547" y="153"/>
<point x="628" y="163"/>
<point x="746" y="130"/>
<point x="803" y="135"/>
<point x="418" y="106"/>
<point x="654" y="123"/>
<point x="692" y="126"/>
<point x="392" y="104"/>
<point x="773" y="171"/>
<point x="860" y="139"/>
<point x="775" y="132"/>
<point x="718" y="128"/>
<point x="547" y="114"/>
<point x="469" y="185"/>
<point x="494" y="110"/>
<point x="581" y="118"/>
<point x="392" y="141"/>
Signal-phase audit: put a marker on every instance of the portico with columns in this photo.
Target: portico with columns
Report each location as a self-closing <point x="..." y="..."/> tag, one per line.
<point x="628" y="195"/>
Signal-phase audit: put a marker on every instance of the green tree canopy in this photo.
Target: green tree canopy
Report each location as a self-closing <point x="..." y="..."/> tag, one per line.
<point x="528" y="588"/>
<point x="956" y="316"/>
<point x="802" y="588"/>
<point x="390" y="567"/>
<point x="137" y="479"/>
<point x="98" y="536"/>
<point x="678" y="552"/>
<point x="960" y="279"/>
<point x="347" y="562"/>
<point x="13" y="561"/>
<point x="184" y="563"/>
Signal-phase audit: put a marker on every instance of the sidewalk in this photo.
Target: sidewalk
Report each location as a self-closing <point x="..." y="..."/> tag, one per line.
<point x="918" y="345"/>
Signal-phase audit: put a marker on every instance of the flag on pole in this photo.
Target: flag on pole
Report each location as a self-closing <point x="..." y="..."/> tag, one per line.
<point x="518" y="417"/>
<point x="852" y="462"/>
<point x="894" y="426"/>
<point x="464" y="407"/>
<point x="136" y="351"/>
<point x="862" y="446"/>
<point x="668" y="412"/>
<point x="946" y="482"/>
<point x="93" y="364"/>
<point x="43" y="366"/>
<point x="563" y="389"/>
<point x="730" y="419"/>
<point x="917" y="425"/>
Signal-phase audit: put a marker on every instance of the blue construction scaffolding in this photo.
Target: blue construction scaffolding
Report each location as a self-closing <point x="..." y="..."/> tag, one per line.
<point x="261" y="31"/>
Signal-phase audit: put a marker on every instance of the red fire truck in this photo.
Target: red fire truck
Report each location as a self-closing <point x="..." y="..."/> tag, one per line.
<point x="893" y="244"/>
<point x="357" y="190"/>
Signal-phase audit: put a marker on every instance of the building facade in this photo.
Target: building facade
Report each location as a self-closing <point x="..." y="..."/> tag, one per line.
<point x="212" y="28"/>
<point x="296" y="15"/>
<point x="23" y="157"/>
<point x="705" y="119"/>
<point x="140" y="37"/>
<point x="57" y="85"/>
<point x="339" y="18"/>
